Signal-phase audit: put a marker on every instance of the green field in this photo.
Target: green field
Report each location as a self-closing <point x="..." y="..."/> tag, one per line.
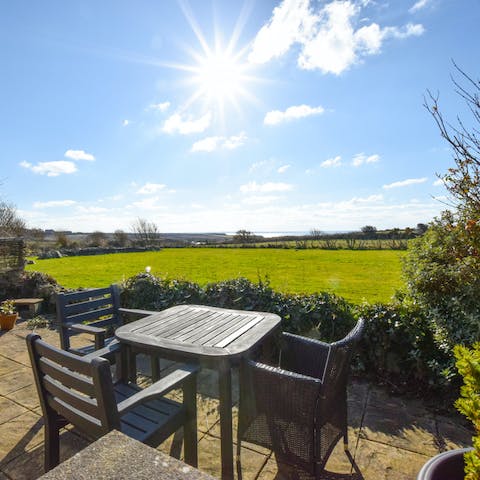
<point x="357" y="275"/>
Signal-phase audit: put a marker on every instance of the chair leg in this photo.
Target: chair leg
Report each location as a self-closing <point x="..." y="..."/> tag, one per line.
<point x="155" y="365"/>
<point x="190" y="427"/>
<point x="52" y="444"/>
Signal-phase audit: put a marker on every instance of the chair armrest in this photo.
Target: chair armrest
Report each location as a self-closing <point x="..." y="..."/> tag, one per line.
<point x="160" y="388"/>
<point x="107" y="352"/>
<point x="303" y="355"/>
<point x="82" y="328"/>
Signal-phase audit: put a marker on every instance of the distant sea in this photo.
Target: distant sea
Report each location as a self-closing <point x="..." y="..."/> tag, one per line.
<point x="295" y="233"/>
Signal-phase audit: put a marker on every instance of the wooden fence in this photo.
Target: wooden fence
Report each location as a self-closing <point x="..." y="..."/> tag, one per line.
<point x="12" y="255"/>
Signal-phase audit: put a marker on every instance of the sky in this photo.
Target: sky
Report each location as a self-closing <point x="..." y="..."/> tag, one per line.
<point x="215" y="116"/>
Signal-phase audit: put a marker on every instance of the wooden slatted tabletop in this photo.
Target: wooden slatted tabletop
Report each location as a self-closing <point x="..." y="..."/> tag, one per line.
<point x="200" y="330"/>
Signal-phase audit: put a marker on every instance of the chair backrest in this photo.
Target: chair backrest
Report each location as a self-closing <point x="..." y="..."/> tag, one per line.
<point x="78" y="390"/>
<point x="98" y="307"/>
<point x="339" y="358"/>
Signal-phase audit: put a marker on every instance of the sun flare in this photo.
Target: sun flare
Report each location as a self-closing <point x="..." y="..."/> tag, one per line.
<point x="220" y="77"/>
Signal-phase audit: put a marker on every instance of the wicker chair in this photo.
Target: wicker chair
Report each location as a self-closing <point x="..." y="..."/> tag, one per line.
<point x="299" y="409"/>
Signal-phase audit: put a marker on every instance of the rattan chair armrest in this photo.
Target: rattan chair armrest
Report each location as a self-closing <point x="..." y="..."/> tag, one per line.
<point x="160" y="388"/>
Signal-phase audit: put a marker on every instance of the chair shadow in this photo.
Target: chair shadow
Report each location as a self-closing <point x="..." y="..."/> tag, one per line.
<point x="20" y="447"/>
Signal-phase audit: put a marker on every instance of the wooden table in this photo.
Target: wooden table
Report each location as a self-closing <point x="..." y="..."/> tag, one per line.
<point x="214" y="337"/>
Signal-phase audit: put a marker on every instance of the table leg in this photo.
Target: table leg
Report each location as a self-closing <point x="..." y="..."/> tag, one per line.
<point x="226" y="431"/>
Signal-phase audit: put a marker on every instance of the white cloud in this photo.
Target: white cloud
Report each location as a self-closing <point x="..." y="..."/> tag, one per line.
<point x="299" y="111"/>
<point x="125" y="123"/>
<point x="361" y="158"/>
<point x="438" y="182"/>
<point x="161" y="107"/>
<point x="151" y="203"/>
<point x="289" y="20"/>
<point x="332" y="162"/>
<point x="79" y="155"/>
<point x="175" y="124"/>
<point x="283" y="168"/>
<point x="405" y="183"/>
<point x="409" y="30"/>
<point x="54" y="203"/>
<point x="328" y="37"/>
<point x="150" y="188"/>
<point x="210" y="144"/>
<point x="51" y="169"/>
<point x="419" y="5"/>
<point x="254" y="187"/>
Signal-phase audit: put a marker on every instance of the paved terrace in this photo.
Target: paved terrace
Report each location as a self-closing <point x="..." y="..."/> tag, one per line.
<point x="390" y="437"/>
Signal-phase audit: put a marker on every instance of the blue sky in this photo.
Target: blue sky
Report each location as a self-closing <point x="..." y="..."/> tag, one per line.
<point x="221" y="115"/>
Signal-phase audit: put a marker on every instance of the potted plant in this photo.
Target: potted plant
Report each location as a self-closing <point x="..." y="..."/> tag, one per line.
<point x="8" y="315"/>
<point x="462" y="463"/>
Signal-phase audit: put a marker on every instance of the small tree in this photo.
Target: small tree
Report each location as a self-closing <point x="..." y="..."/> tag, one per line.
<point x="97" y="239"/>
<point x="120" y="238"/>
<point x="244" y="236"/>
<point x="369" y="231"/>
<point x="11" y="225"/>
<point x="146" y="232"/>
<point x="442" y="268"/>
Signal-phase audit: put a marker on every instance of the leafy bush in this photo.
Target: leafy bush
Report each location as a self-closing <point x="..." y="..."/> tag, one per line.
<point x="153" y="293"/>
<point x="399" y="347"/>
<point x="468" y="365"/>
<point x="442" y="270"/>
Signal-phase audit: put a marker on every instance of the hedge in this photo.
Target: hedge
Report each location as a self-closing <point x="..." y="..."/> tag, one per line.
<point x="397" y="349"/>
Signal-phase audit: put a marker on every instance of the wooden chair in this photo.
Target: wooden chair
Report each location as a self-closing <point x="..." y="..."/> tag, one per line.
<point x="96" y="312"/>
<point x="298" y="409"/>
<point x="80" y="391"/>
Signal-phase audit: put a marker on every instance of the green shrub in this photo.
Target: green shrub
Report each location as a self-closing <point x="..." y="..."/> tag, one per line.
<point x="153" y="293"/>
<point x="398" y="346"/>
<point x="442" y="270"/>
<point x="468" y="365"/>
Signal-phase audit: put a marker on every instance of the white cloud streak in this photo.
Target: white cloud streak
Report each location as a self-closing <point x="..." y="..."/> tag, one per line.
<point x="405" y="183"/>
<point x="150" y="188"/>
<point x="254" y="187"/>
<point x="420" y="5"/>
<point x="327" y="36"/>
<point x="51" y="169"/>
<point x="160" y="107"/>
<point x="361" y="159"/>
<point x="54" y="204"/>
<point x="79" y="155"/>
<point x="283" y="168"/>
<point x="176" y="124"/>
<point x="332" y="162"/>
<point x="210" y="144"/>
<point x="291" y="113"/>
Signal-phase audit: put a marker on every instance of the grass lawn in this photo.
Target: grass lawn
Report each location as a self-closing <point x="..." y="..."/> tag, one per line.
<point x="357" y="275"/>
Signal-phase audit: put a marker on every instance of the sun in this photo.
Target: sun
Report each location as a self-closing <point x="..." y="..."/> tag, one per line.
<point x="220" y="77"/>
<point x="219" y="74"/>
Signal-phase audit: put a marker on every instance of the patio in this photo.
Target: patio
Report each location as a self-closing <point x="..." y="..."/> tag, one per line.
<point x="390" y="437"/>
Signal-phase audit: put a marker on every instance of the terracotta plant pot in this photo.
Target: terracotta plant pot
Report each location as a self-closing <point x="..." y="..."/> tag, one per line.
<point x="446" y="465"/>
<point x="7" y="322"/>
